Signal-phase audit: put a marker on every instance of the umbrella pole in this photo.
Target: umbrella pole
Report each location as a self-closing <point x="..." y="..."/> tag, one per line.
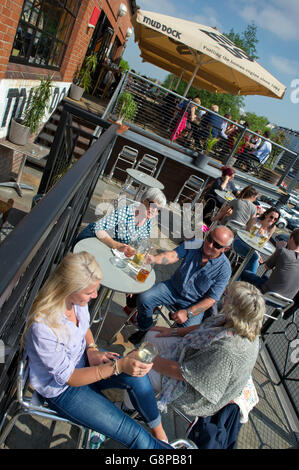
<point x="191" y="79"/>
<point x="179" y="80"/>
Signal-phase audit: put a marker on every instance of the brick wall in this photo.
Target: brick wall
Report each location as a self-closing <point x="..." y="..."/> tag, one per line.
<point x="9" y="18"/>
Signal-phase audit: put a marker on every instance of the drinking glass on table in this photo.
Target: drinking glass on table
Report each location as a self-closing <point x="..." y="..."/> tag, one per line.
<point x="144" y="272"/>
<point x="254" y="229"/>
<point x="118" y="259"/>
<point x="262" y="240"/>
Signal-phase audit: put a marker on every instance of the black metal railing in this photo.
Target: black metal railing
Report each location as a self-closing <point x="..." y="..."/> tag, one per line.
<point x="167" y="114"/>
<point x="38" y="243"/>
<point x="71" y="127"/>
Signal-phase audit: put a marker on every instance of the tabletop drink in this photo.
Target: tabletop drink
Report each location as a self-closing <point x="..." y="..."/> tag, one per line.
<point x="143" y="273"/>
<point x="147" y="352"/>
<point x="262" y="240"/>
<point x="253" y="230"/>
<point x="228" y="196"/>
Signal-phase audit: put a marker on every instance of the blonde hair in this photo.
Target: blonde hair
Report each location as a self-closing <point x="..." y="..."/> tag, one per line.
<point x="76" y="272"/>
<point x="244" y="308"/>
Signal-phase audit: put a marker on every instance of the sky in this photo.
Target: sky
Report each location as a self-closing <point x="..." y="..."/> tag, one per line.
<point x="277" y="48"/>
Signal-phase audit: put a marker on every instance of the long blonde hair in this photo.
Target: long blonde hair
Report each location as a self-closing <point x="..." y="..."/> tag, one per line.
<point x="75" y="272"/>
<point x="244" y="308"/>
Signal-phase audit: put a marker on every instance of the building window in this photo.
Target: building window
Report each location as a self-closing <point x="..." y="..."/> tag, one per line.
<point x="43" y="32"/>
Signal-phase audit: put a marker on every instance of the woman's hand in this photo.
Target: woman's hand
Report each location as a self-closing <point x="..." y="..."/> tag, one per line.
<point x="131" y="365"/>
<point x="96" y="358"/>
<point x="162" y="330"/>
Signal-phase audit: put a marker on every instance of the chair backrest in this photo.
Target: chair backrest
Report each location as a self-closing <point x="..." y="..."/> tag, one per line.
<point x="128" y="153"/>
<point x="147" y="163"/>
<point x="281" y="303"/>
<point x="194" y="182"/>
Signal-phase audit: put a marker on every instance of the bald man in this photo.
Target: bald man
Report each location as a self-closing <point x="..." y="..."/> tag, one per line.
<point x="196" y="285"/>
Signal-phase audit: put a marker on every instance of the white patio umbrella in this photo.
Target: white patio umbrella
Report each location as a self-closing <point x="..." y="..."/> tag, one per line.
<point x="208" y="58"/>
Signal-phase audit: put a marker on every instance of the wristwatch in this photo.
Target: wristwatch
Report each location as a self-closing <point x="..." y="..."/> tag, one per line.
<point x="189" y="313"/>
<point x="91" y="346"/>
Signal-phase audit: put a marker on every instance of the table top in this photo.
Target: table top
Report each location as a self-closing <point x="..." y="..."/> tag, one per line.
<point x="145" y="179"/>
<point x="30" y="149"/>
<point x="266" y="249"/>
<point x="223" y="195"/>
<point x="118" y="279"/>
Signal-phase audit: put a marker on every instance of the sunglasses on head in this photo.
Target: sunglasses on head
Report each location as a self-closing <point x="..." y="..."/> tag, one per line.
<point x="215" y="244"/>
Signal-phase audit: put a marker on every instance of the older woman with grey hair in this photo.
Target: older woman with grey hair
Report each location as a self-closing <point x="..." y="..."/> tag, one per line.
<point x="202" y="368"/>
<point x="127" y="223"/>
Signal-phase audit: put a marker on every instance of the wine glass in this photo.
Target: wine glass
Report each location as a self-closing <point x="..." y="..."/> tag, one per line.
<point x="147" y="352"/>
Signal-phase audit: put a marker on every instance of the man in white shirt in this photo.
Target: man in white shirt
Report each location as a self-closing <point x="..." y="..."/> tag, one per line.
<point x="263" y="153"/>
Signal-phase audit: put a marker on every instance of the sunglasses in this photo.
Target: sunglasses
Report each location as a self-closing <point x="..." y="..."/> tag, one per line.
<point x="215" y="244"/>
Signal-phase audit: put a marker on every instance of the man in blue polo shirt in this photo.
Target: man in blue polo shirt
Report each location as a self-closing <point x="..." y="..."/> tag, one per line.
<point x="196" y="285"/>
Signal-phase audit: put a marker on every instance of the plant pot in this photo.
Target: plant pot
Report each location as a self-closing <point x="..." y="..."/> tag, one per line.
<point x="18" y="134"/>
<point x="202" y="160"/>
<point x="76" y="92"/>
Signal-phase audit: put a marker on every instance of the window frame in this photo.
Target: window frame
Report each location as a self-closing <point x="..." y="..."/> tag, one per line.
<point x="55" y="44"/>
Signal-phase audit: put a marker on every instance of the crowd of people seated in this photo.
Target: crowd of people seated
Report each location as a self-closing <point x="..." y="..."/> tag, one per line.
<point x="205" y="360"/>
<point x="191" y="126"/>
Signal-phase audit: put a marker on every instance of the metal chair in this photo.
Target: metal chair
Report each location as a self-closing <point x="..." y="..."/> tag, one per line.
<point x="193" y="184"/>
<point x="147" y="164"/>
<point x="280" y="304"/>
<point x="127" y="157"/>
<point x="33" y="406"/>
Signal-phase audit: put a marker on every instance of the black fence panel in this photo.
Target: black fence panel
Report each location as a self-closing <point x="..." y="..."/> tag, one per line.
<point x="38" y="243"/>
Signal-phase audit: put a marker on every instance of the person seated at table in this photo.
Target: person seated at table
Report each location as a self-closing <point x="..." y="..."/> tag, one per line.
<point x="195" y="286"/>
<point x="263" y="153"/>
<point x="255" y="141"/>
<point x="241" y="209"/>
<point x="202" y="368"/>
<point x="266" y="226"/>
<point x="126" y="224"/>
<point x="223" y="183"/>
<point x="285" y="264"/>
<point x="67" y="369"/>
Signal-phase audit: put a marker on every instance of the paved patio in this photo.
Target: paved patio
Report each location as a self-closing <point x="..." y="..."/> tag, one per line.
<point x="272" y="424"/>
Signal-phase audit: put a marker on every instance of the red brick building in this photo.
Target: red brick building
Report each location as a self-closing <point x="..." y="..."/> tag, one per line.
<point x="51" y="37"/>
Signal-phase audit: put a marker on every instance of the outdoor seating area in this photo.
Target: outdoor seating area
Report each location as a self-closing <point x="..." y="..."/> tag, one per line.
<point x="272" y="423"/>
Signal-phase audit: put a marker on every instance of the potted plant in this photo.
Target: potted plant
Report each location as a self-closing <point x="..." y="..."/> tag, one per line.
<point x="20" y="129"/>
<point x="127" y="107"/>
<point x="82" y="81"/>
<point x="203" y="159"/>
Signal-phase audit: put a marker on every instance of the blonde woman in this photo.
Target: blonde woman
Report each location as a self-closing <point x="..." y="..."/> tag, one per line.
<point x="200" y="369"/>
<point x="67" y="368"/>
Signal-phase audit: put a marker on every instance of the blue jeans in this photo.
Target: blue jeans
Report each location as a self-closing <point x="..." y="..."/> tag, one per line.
<point x="87" y="406"/>
<point x="242" y="249"/>
<point x="252" y="278"/>
<point x="161" y="294"/>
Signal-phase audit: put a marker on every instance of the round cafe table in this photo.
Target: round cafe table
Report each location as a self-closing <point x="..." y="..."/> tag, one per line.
<point x="114" y="279"/>
<point x="145" y="181"/>
<point x="223" y="197"/>
<point x="252" y="243"/>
